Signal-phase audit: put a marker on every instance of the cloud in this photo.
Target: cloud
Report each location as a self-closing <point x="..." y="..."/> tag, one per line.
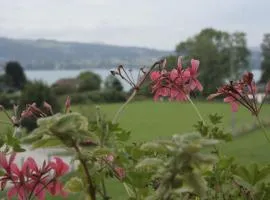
<point x="152" y="23"/>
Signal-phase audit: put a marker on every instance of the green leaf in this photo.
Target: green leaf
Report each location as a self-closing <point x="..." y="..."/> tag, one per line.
<point x="70" y="124"/>
<point x="101" y="152"/>
<point x="197" y="183"/>
<point x="203" y="158"/>
<point x="122" y="135"/>
<point x="47" y="142"/>
<point x="215" y="118"/>
<point x="149" y="164"/>
<point x="139" y="179"/>
<point x="34" y="136"/>
<point x="2" y="173"/>
<point x="263" y="174"/>
<point x="2" y="142"/>
<point x="75" y="184"/>
<point x="208" y="142"/>
<point x="46" y="122"/>
<point x="243" y="173"/>
<point x="153" y="147"/>
<point x="18" y="148"/>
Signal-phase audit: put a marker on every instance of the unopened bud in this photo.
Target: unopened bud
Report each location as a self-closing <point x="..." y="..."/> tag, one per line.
<point x="248" y="78"/>
<point x="120" y="172"/>
<point x="48" y="107"/>
<point x="68" y="104"/>
<point x="164" y="63"/>
<point x="179" y="62"/>
<point x="267" y="87"/>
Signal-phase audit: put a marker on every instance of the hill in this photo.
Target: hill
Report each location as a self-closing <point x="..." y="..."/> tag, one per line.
<point x="50" y="54"/>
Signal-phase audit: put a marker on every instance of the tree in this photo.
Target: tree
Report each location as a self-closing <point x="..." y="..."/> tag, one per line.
<point x="239" y="54"/>
<point x="15" y="75"/>
<point x="222" y="56"/>
<point x="113" y="83"/>
<point x="265" y="65"/>
<point x="89" y="81"/>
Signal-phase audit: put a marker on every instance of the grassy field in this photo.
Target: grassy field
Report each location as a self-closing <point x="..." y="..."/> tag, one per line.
<point x="149" y="120"/>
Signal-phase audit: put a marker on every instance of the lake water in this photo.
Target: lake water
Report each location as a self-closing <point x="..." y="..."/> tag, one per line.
<point x="51" y="76"/>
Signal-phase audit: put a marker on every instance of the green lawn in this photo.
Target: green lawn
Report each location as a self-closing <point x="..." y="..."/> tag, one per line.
<point x="149" y="120"/>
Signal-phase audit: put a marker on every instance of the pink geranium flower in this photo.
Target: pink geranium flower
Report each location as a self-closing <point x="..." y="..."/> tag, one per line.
<point x="120" y="172"/>
<point x="193" y="70"/>
<point x="234" y="103"/>
<point x="59" y="166"/>
<point x="31" y="180"/>
<point x="241" y="92"/>
<point x="159" y="84"/>
<point x="177" y="83"/>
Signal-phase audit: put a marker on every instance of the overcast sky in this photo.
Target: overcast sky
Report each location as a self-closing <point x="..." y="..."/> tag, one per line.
<point x="151" y="23"/>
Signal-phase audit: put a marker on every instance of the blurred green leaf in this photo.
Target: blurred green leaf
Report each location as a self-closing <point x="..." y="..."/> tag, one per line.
<point x="75" y="184"/>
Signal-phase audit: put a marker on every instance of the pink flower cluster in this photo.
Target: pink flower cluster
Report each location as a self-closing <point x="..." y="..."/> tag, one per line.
<point x="118" y="171"/>
<point x="177" y="83"/>
<point x="32" y="181"/>
<point x="241" y="92"/>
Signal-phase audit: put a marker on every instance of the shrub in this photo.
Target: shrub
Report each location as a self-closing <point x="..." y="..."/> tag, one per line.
<point x="113" y="96"/>
<point x="65" y="86"/>
<point x="113" y="83"/>
<point x="95" y="96"/>
<point x="37" y="92"/>
<point x="88" y="81"/>
<point x="106" y="96"/>
<point x="8" y="100"/>
<point x="79" y="98"/>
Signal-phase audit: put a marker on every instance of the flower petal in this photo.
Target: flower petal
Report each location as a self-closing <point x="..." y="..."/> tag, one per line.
<point x="155" y="75"/>
<point x="194" y="65"/>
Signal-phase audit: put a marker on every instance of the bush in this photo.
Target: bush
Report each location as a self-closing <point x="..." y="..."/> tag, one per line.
<point x="65" y="86"/>
<point x="88" y="81"/>
<point x="95" y="96"/>
<point x="107" y="96"/>
<point x="113" y="96"/>
<point x="113" y="83"/>
<point x="37" y="92"/>
<point x="8" y="100"/>
<point x="79" y="98"/>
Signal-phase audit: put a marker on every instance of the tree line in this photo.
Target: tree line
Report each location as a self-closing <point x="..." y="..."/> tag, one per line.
<point x="223" y="56"/>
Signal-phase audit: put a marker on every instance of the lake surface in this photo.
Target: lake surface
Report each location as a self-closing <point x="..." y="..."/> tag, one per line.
<point x="51" y="76"/>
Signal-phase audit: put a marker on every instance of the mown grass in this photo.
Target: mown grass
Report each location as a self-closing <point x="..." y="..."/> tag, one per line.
<point x="148" y="120"/>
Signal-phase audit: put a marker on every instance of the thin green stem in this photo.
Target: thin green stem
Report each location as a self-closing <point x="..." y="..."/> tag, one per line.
<point x="263" y="128"/>
<point x="44" y="187"/>
<point x="91" y="190"/>
<point x="135" y="91"/>
<point x="129" y="191"/>
<point x="121" y="109"/>
<point x="196" y="109"/>
<point x="5" y="122"/>
<point x="105" y="197"/>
